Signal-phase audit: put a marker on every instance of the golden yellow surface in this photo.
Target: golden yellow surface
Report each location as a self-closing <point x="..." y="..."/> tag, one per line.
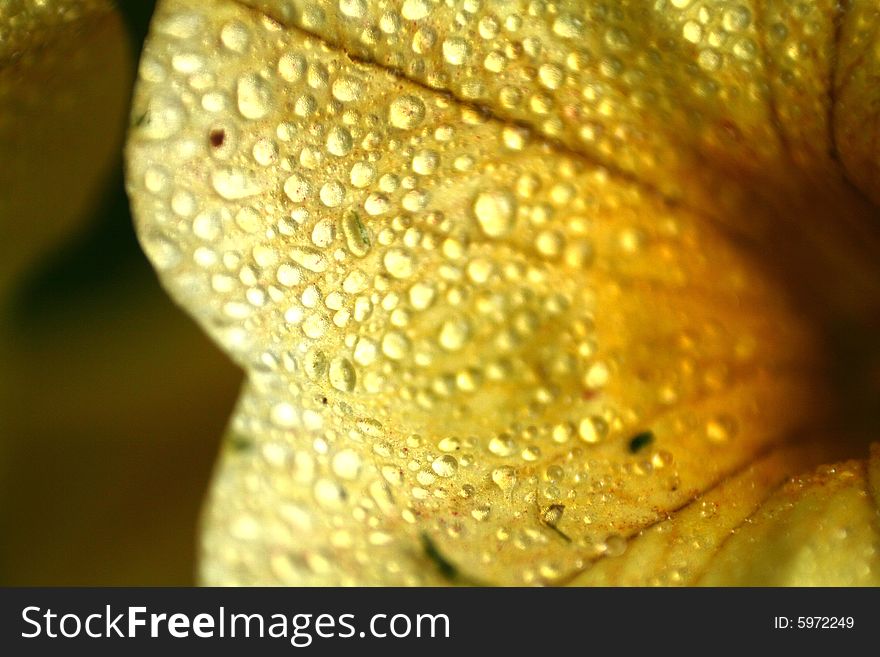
<point x="817" y="530"/>
<point x="526" y="292"/>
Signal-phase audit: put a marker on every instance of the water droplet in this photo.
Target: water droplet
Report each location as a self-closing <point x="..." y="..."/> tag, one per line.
<point x="347" y="464"/>
<point x="502" y="445"/>
<point x="297" y="188"/>
<point x="341" y="374"/>
<point x="449" y="444"/>
<point x="736" y="19"/>
<point x="720" y="429"/>
<point x="362" y="174"/>
<point x="234" y="184"/>
<point x="323" y="234"/>
<point x="406" y="112"/>
<point x="309" y="258"/>
<point x="328" y="494"/>
<point x="332" y="194"/>
<point x="531" y="454"/>
<point x="480" y="270"/>
<point x="248" y="219"/>
<point x="395" y="345"/>
<point x="187" y="63"/>
<point x="339" y="141"/>
<point x="392" y="475"/>
<point x="346" y="88"/>
<point x="265" y="152"/>
<point x="709" y="60"/>
<point x="578" y="254"/>
<point x="206" y="225"/>
<point x="365" y="351"/>
<point x="495" y="212"/>
<point x="314" y="326"/>
<point x="353" y="8"/>
<point x="618" y="39"/>
<point x="370" y="427"/>
<point x="377" y="204"/>
<point x="164" y="117"/>
<point x="488" y="27"/>
<point x="692" y="32"/>
<point x="745" y="49"/>
<point x="283" y="415"/>
<point x="504" y="477"/>
<point x="455" y="50"/>
<point x="551" y="75"/>
<point x="592" y="429"/>
<point x="549" y="243"/>
<point x="597" y="375"/>
<point x="421" y="295"/>
<point x="454" y="333"/>
<point x="162" y="251"/>
<point x="292" y="67"/>
<point x="156" y="179"/>
<point x="568" y="26"/>
<point x="183" y="25"/>
<point x="235" y="36"/>
<point x="254" y="97"/>
<point x="305" y="105"/>
<point x="425" y="162"/>
<point x="398" y="263"/>
<point x="414" y="10"/>
<point x="563" y="432"/>
<point x="614" y="545"/>
<point x="481" y="512"/>
<point x="288" y="276"/>
<point x="445" y="466"/>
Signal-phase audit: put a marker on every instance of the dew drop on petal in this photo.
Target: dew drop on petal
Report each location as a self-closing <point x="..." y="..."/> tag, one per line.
<point x="406" y="112"/>
<point x="592" y="429"/>
<point x="504" y="477"/>
<point x="234" y="184"/>
<point x="445" y="465"/>
<point x="347" y="464"/>
<point x="495" y="212"/>
<point x="297" y="188"/>
<point x="341" y="374"/>
<point x="254" y="97"/>
<point x="398" y="263"/>
<point x="454" y="333"/>
<point x="414" y="10"/>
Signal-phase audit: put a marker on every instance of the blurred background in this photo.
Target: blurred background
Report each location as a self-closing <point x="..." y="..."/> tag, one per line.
<point x="112" y="402"/>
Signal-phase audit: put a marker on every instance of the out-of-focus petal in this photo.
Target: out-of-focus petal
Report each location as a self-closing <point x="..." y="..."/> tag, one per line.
<point x="821" y="529"/>
<point x="65" y="79"/>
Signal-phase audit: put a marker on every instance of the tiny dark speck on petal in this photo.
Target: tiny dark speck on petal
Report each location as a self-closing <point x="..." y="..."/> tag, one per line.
<point x="640" y="441"/>
<point x="217" y="137"/>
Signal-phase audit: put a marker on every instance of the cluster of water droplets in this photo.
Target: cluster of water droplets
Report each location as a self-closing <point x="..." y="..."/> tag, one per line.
<point x="642" y="87"/>
<point x="452" y="327"/>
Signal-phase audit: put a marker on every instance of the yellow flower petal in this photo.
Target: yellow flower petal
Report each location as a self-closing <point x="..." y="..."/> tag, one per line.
<point x="487" y="341"/>
<point x="821" y="529"/>
<point x="678" y="550"/>
<point x="858" y="95"/>
<point x="64" y="81"/>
